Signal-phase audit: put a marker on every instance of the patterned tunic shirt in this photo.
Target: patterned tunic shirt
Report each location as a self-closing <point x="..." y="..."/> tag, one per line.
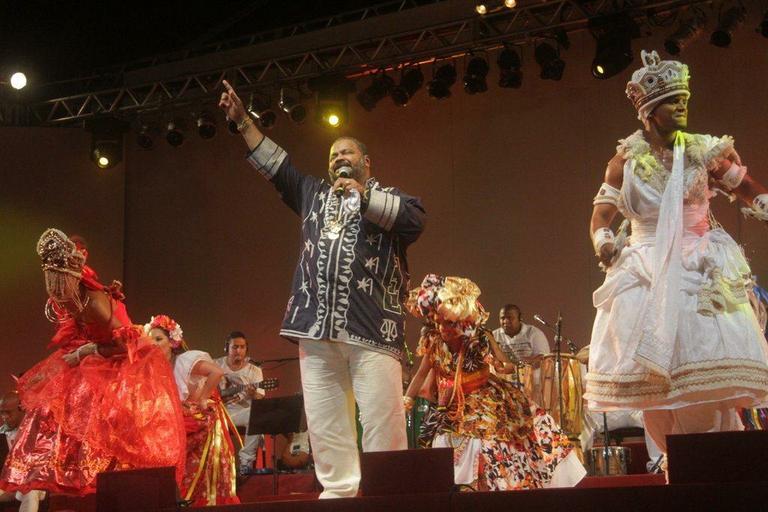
<point x="348" y="288"/>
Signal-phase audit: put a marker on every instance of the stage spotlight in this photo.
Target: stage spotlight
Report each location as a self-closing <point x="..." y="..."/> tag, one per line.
<point x="260" y="111"/>
<point x="611" y="58"/>
<point x="380" y="87"/>
<point x="331" y="105"/>
<point x="510" y="75"/>
<point x="144" y="139"/>
<point x="410" y="82"/>
<point x="548" y="58"/>
<point x="763" y="28"/>
<point x="18" y="80"/>
<point x="266" y="117"/>
<point x="510" y="4"/>
<point x="481" y="8"/>
<point x="727" y="24"/>
<point x="688" y="30"/>
<point x="206" y="128"/>
<point x="332" y="113"/>
<point x="613" y="48"/>
<point x="174" y="135"/>
<point x="295" y="110"/>
<point x="106" y="141"/>
<point x="442" y="80"/>
<point x="474" y="76"/>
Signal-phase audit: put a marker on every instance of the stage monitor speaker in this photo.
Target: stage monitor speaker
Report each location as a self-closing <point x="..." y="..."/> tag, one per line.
<point x="136" y="490"/>
<point x="718" y="457"/>
<point x="406" y="472"/>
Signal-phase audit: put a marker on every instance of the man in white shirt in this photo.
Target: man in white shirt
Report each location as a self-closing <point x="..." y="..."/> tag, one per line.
<point x="238" y="390"/>
<point x="12" y="415"/>
<point x="520" y="342"/>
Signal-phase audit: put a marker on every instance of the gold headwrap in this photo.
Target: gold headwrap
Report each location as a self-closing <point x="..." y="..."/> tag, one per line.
<point x="458" y="301"/>
<point x="63" y="266"/>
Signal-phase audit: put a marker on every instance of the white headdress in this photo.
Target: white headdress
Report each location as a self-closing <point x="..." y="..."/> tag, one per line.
<point x="656" y="80"/>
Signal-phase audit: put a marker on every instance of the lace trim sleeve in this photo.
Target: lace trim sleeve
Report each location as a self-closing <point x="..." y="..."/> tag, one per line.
<point x="716" y="149"/>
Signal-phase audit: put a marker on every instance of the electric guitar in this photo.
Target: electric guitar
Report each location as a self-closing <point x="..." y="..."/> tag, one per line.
<point x="229" y="392"/>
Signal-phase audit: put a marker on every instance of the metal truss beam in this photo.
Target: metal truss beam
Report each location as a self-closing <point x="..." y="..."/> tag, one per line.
<point x="440" y="29"/>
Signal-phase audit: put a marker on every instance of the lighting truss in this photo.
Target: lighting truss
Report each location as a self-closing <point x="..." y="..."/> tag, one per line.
<point x="367" y="40"/>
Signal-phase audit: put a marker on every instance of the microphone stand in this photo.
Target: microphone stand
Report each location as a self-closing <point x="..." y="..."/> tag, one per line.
<point x="559" y="366"/>
<point x="606" y="451"/>
<point x="410" y="416"/>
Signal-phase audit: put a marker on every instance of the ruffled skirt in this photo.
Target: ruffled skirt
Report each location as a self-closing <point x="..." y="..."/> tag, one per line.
<point x="719" y="353"/>
<point x="503" y="442"/>
<point x="103" y="414"/>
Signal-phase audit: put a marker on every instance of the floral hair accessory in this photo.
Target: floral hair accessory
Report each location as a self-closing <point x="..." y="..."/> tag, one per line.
<point x="168" y="325"/>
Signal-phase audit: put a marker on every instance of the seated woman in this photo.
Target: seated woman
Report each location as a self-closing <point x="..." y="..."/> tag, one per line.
<point x="210" y="473"/>
<point x="104" y="400"/>
<point x="501" y="441"/>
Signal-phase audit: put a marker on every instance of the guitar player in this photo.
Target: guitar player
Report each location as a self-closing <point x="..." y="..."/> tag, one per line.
<point x="241" y="371"/>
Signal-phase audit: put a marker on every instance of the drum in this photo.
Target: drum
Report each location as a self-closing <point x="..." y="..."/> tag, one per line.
<point x="572" y="418"/>
<point x="529" y="381"/>
<point x="618" y="461"/>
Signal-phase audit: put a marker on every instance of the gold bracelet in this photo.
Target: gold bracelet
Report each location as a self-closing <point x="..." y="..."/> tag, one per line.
<point x="244" y="124"/>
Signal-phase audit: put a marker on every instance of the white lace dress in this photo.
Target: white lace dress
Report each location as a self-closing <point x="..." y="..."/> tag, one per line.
<point x="712" y="348"/>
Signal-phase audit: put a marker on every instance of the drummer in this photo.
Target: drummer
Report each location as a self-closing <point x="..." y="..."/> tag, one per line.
<point x="521" y="342"/>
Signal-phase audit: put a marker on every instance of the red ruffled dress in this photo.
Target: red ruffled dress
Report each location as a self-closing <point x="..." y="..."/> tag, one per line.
<point x="107" y="413"/>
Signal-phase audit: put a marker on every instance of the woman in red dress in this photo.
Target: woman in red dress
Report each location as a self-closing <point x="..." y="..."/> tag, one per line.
<point x="104" y="400"/>
<point x="211" y="472"/>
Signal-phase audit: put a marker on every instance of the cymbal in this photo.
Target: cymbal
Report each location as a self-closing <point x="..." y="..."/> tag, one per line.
<point x="583" y="355"/>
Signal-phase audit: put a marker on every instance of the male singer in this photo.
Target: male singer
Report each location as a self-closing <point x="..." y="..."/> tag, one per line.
<point x="345" y="309"/>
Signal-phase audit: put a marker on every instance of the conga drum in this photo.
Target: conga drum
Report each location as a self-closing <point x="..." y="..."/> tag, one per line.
<point x="572" y="392"/>
<point x="530" y="381"/>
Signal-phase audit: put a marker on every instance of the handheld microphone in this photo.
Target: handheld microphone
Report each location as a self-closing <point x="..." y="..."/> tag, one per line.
<point x="540" y="320"/>
<point x="344" y="171"/>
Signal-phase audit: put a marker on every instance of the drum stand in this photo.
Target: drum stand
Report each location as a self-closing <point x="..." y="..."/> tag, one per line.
<point x="559" y="366"/>
<point x="606" y="443"/>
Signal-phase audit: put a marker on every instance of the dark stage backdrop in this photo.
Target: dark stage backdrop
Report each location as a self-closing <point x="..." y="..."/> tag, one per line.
<point x="507" y="178"/>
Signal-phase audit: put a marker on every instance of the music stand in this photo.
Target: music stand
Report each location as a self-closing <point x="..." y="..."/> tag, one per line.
<point x="272" y="416"/>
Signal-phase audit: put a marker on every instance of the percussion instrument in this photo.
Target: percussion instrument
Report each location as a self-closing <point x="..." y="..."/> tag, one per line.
<point x="583" y="355"/>
<point x="572" y="392"/>
<point x="618" y="458"/>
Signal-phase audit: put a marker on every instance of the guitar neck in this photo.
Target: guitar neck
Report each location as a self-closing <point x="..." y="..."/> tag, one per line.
<point x="237" y="388"/>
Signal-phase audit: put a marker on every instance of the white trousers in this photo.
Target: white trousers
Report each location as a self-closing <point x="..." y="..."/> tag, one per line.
<point x="30" y="501"/>
<point x="250" y="443"/>
<point x="334" y="376"/>
<point x="707" y="417"/>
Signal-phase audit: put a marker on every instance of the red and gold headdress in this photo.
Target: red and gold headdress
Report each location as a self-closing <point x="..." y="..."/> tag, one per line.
<point x="62" y="264"/>
<point x="60" y="254"/>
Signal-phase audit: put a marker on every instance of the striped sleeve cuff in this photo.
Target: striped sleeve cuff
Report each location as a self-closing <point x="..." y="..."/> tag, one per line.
<point x="267" y="157"/>
<point x="382" y="208"/>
